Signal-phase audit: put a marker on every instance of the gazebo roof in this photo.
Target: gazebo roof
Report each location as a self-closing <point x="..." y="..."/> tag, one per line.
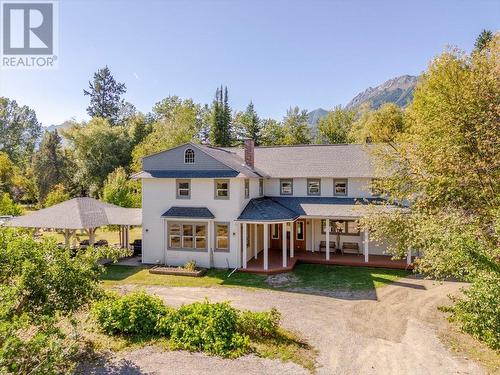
<point x="79" y="213"/>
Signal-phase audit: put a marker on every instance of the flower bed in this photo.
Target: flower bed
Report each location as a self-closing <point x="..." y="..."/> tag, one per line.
<point x="179" y="271"/>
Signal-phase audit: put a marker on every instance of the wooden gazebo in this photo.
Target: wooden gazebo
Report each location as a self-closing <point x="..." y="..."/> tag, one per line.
<point x="82" y="213"/>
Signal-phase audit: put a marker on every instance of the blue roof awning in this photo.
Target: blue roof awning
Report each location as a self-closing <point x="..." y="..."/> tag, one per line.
<point x="189" y="213"/>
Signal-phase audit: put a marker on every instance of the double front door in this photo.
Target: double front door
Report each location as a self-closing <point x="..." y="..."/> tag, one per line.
<point x="299" y="233"/>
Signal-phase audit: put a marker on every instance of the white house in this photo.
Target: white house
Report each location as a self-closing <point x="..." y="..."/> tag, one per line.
<point x="259" y="208"/>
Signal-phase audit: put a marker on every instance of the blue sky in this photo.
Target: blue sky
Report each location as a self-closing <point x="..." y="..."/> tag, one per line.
<point x="276" y="53"/>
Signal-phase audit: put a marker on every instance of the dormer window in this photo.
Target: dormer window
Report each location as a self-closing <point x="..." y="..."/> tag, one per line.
<point x="189" y="156"/>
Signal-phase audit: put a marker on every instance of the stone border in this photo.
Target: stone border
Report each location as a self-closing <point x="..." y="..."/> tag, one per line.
<point x="165" y="270"/>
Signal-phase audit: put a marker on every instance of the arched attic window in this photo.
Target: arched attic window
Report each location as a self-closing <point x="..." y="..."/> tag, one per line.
<point x="189" y="156"/>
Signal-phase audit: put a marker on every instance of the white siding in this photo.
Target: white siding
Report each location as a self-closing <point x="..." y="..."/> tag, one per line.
<point x="356" y="187"/>
<point x="159" y="196"/>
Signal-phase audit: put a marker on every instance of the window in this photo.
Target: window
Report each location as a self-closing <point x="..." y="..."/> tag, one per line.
<point x="183" y="189"/>
<point x="221" y="236"/>
<point x="187" y="236"/>
<point x="200" y="236"/>
<point x="261" y="187"/>
<point x="221" y="189"/>
<point x="286" y="187"/>
<point x="340" y="187"/>
<point x="341" y="226"/>
<point x="189" y="156"/>
<point x="175" y="236"/>
<point x="275" y="235"/>
<point x="352" y="227"/>
<point x="300" y="231"/>
<point x="247" y="188"/>
<point x="314" y="187"/>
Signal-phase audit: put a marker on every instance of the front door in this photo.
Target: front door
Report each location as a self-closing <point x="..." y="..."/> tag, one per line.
<point x="300" y="235"/>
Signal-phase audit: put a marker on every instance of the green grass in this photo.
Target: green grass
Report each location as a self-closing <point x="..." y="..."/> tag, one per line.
<point x="306" y="276"/>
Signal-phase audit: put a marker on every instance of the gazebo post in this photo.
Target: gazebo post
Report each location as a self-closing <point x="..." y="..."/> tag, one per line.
<point x="67" y="235"/>
<point x="91" y="232"/>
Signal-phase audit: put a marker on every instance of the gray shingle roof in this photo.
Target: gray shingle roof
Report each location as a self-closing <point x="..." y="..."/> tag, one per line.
<point x="186" y="174"/>
<point x="351" y="160"/>
<point x="289" y="208"/>
<point x="189" y="212"/>
<point x="231" y="159"/>
<point x="79" y="213"/>
<point x="266" y="209"/>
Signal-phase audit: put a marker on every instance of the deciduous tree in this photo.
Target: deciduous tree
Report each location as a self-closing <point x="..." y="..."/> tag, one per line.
<point x="335" y="126"/>
<point x="296" y="127"/>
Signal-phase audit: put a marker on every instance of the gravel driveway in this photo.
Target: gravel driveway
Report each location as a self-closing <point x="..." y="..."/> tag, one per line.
<point x="392" y="331"/>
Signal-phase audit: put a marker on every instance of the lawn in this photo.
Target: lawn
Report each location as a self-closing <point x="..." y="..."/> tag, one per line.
<point x="306" y="276"/>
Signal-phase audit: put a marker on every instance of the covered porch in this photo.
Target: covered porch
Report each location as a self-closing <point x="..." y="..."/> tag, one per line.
<point x="278" y="233"/>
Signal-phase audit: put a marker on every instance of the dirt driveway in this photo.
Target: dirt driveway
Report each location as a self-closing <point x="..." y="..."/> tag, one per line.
<point x="392" y="331"/>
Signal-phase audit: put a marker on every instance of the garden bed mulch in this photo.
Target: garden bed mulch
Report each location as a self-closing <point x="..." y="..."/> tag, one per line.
<point x="166" y="270"/>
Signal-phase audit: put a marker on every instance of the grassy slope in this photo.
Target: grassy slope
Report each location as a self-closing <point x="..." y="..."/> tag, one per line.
<point x="319" y="277"/>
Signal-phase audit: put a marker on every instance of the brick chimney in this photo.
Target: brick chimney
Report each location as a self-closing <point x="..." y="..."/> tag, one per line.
<point x="249" y="152"/>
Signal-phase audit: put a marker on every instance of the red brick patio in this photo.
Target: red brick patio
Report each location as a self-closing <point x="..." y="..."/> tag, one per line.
<point x="275" y="261"/>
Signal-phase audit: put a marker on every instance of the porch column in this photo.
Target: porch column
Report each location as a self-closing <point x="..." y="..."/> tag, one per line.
<point x="284" y="243"/>
<point x="365" y="244"/>
<point x="408" y="256"/>
<point x="292" y="240"/>
<point x="209" y="244"/>
<point x="244" y="245"/>
<point x="255" y="240"/>
<point x="327" y="233"/>
<point x="127" y="234"/>
<point x="312" y="235"/>
<point x="266" y="246"/>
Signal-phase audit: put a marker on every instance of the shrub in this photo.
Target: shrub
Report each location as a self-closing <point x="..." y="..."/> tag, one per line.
<point x="136" y="313"/>
<point x="478" y="313"/>
<point x="208" y="327"/>
<point x="259" y="324"/>
<point x="190" y="266"/>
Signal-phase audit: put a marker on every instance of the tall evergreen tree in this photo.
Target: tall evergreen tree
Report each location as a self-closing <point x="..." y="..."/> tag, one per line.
<point x="483" y="39"/>
<point x="220" y="133"/>
<point x="50" y="164"/>
<point x="105" y="96"/>
<point x="249" y="124"/>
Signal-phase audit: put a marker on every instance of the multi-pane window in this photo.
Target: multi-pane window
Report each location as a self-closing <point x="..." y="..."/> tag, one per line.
<point x="340" y="187"/>
<point x="187" y="236"/>
<point x="341" y="226"/>
<point x="221" y="189"/>
<point x="300" y="231"/>
<point x="261" y="187"/>
<point x="200" y="236"/>
<point x="183" y="189"/>
<point x="222" y="236"/>
<point x="175" y="236"/>
<point x="286" y="187"/>
<point x="314" y="187"/>
<point x="247" y="188"/>
<point x="189" y="156"/>
<point x="275" y="235"/>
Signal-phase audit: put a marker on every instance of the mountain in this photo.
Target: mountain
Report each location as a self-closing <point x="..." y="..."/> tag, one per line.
<point x="397" y="90"/>
<point x="314" y="116"/>
<point x="65" y="125"/>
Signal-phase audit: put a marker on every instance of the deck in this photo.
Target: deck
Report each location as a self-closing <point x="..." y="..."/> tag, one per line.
<point x="275" y="261"/>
